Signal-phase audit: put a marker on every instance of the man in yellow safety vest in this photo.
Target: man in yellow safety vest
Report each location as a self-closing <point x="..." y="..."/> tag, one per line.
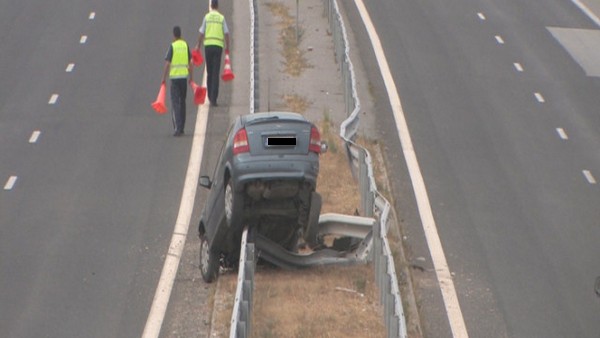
<point x="178" y="67"/>
<point x="214" y="33"/>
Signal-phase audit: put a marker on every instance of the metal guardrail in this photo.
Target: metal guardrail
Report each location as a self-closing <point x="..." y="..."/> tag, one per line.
<point x="254" y="99"/>
<point x="241" y="315"/>
<point x="373" y="203"/>
<point x="242" y="307"/>
<point x="329" y="224"/>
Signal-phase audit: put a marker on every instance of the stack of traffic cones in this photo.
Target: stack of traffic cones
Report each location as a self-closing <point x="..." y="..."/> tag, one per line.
<point x="159" y="104"/>
<point x="227" y="73"/>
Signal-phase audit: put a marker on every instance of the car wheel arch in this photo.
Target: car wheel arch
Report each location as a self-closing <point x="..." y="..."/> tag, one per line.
<point x="201" y="229"/>
<point x="226" y="176"/>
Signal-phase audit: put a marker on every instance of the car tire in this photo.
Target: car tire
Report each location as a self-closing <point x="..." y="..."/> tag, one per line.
<point x="233" y="205"/>
<point x="312" y="227"/>
<point x="209" y="262"/>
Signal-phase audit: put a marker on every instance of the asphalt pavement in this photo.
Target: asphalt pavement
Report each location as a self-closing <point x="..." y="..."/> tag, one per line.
<point x="85" y="225"/>
<point x="93" y="195"/>
<point x="487" y="90"/>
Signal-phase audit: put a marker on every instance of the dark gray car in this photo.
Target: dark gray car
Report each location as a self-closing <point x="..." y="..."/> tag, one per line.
<point x="265" y="178"/>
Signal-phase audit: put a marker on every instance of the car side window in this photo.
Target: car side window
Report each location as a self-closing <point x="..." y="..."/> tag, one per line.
<point x="219" y="161"/>
<point x="222" y="154"/>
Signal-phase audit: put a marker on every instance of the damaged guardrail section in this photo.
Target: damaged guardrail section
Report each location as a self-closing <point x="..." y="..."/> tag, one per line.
<point x="373" y="203"/>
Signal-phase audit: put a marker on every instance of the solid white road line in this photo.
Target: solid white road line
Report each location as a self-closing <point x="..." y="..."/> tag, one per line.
<point x="585" y="9"/>
<point x="10" y="183"/>
<point x="35" y="136"/>
<point x="562" y="133"/>
<point x="589" y="177"/>
<point x="169" y="271"/>
<point x="539" y="98"/>
<point x="53" y="99"/>
<point x="455" y="317"/>
<point x="70" y="67"/>
<point x="83" y="39"/>
<point x="499" y="39"/>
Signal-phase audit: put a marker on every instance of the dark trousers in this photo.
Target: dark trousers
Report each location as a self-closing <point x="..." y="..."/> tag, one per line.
<point x="212" y="56"/>
<point x="178" y="95"/>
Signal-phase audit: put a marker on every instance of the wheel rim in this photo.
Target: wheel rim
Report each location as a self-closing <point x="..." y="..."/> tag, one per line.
<point x="204" y="256"/>
<point x="228" y="202"/>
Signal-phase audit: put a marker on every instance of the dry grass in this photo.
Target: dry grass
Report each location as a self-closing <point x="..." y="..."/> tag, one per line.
<point x="320" y="302"/>
<point x="295" y="103"/>
<point x="336" y="185"/>
<point x="289" y="39"/>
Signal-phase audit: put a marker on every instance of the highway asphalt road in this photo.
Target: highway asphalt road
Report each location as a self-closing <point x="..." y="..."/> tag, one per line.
<point x="503" y="115"/>
<point x="503" y="112"/>
<point x="91" y="176"/>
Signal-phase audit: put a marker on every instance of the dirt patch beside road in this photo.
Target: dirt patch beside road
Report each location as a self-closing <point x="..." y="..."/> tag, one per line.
<point x="320" y="302"/>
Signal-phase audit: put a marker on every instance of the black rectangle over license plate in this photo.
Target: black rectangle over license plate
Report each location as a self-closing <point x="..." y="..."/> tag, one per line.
<point x="281" y="141"/>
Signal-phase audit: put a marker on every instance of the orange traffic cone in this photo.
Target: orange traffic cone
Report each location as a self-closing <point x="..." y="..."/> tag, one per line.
<point x="227" y="73"/>
<point x="199" y="93"/>
<point x="197" y="58"/>
<point x="159" y="104"/>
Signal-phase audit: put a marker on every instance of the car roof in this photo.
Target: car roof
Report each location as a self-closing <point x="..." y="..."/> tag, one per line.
<point x="268" y="116"/>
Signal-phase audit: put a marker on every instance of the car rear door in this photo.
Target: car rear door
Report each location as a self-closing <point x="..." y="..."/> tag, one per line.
<point x="215" y="205"/>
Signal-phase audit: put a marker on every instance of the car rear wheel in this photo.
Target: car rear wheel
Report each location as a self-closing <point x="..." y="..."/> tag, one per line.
<point x="312" y="227"/>
<point x="209" y="261"/>
<point x="233" y="205"/>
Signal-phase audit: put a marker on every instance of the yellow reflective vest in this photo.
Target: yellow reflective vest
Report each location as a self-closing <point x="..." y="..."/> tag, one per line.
<point x="214" y="34"/>
<point x="180" y="60"/>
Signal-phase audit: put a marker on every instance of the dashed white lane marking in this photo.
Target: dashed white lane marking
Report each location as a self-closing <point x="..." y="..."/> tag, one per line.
<point x="518" y="67"/>
<point x="562" y="133"/>
<point x="539" y="98"/>
<point x="585" y="9"/>
<point x="53" y="99"/>
<point x="434" y="243"/>
<point x="10" y="183"/>
<point x="92" y="15"/>
<point x="70" y="67"/>
<point x="481" y="16"/>
<point x="499" y="39"/>
<point x="589" y="177"/>
<point x="35" y="136"/>
<point x="83" y="39"/>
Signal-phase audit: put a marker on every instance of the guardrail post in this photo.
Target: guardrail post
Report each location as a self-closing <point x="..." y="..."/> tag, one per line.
<point x="363" y="182"/>
<point x="242" y="308"/>
<point x="249" y="285"/>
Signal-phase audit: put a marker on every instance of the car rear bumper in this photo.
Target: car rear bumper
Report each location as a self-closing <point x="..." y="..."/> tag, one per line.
<point x="245" y="171"/>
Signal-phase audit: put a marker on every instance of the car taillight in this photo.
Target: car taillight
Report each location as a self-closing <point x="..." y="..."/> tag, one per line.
<point x="240" y="142"/>
<point x="315" y="141"/>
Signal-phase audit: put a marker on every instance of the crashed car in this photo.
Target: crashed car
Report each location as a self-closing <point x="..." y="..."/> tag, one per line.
<point x="265" y="178"/>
